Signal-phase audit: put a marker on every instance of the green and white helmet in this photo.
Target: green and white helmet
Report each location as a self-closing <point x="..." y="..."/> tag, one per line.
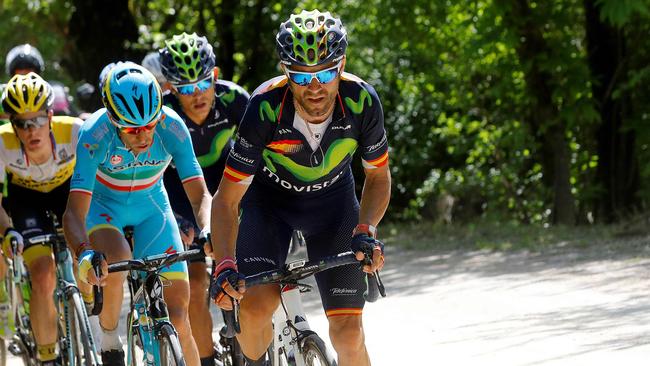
<point x="186" y="58"/>
<point x="311" y="38"/>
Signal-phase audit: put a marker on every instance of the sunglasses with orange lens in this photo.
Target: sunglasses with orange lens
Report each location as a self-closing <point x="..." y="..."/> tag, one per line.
<point x="136" y="130"/>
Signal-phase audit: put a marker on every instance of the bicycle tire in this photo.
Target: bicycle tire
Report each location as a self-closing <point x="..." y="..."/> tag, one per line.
<point x="89" y="356"/>
<point x="3" y="352"/>
<point x="315" y="352"/>
<point x="170" y="347"/>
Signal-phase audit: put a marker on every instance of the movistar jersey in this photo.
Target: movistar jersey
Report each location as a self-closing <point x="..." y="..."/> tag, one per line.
<point x="269" y="150"/>
<point x="46" y="176"/>
<point x="107" y="167"/>
<point x="212" y="140"/>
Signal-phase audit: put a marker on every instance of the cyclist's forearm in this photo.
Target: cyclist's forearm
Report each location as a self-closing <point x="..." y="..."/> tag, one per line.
<point x="224" y="227"/>
<point x="201" y="211"/>
<point x="74" y="229"/>
<point x="375" y="196"/>
<point x="199" y="197"/>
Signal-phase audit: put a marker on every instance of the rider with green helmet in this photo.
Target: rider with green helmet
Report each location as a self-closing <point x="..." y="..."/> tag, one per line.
<point x="292" y="159"/>
<point x="211" y="108"/>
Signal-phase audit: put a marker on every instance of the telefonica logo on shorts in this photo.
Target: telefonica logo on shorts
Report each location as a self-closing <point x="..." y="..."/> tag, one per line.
<point x="343" y="291"/>
<point x="308" y="188"/>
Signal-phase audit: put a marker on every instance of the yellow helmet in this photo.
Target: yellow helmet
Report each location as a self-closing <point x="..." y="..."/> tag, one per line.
<point x="27" y="93"/>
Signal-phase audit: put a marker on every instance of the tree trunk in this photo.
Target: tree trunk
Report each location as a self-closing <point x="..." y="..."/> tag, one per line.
<point x="97" y="39"/>
<point x="618" y="168"/>
<point x="225" y="32"/>
<point x="545" y="120"/>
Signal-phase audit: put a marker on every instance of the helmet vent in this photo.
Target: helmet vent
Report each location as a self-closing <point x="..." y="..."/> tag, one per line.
<point x="309" y="24"/>
<point x="124" y="103"/>
<point x="310" y="39"/>
<point x="288" y="40"/>
<point x="150" y="99"/>
<point x="184" y="48"/>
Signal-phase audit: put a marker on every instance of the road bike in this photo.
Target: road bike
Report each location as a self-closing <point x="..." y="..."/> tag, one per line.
<point x="148" y="325"/>
<point x="76" y="343"/>
<point x="294" y="342"/>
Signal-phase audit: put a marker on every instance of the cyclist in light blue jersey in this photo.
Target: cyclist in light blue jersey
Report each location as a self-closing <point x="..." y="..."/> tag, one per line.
<point x="123" y="151"/>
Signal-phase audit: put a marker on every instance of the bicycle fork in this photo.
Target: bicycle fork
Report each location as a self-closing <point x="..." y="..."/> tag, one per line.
<point x="290" y="326"/>
<point x="144" y="318"/>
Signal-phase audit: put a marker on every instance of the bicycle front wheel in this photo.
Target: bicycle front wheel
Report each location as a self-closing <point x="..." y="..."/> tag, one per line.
<point x="316" y="353"/>
<point x="3" y="352"/>
<point x="170" y="347"/>
<point x="84" y="352"/>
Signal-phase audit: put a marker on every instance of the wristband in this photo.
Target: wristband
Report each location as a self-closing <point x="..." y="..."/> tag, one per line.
<point x="365" y="228"/>
<point x="82" y="246"/>
<point x="226" y="262"/>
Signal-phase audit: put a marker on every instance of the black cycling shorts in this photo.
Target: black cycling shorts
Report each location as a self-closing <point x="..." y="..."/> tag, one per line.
<point x="28" y="211"/>
<point x="267" y="221"/>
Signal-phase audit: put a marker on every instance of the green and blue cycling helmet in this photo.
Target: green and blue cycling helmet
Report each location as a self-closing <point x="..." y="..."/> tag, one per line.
<point x="311" y="38"/>
<point x="187" y="58"/>
<point x="131" y="95"/>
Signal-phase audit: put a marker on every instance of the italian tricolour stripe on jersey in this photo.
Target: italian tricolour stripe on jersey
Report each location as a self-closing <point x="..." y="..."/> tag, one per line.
<point x="130" y="184"/>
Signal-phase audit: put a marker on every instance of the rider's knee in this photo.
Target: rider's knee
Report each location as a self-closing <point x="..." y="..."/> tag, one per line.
<point x="258" y="309"/>
<point x="179" y="316"/>
<point x="346" y="333"/>
<point x="199" y="285"/>
<point x="41" y="273"/>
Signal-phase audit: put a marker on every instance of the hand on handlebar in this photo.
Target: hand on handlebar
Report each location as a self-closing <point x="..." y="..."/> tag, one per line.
<point x="369" y="251"/>
<point x="93" y="268"/>
<point x="204" y="239"/>
<point x="12" y="243"/>
<point x="227" y="284"/>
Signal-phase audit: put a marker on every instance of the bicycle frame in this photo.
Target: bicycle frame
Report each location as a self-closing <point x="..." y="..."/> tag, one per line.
<point x="148" y="314"/>
<point x="66" y="287"/>
<point x="290" y="326"/>
<point x="20" y="289"/>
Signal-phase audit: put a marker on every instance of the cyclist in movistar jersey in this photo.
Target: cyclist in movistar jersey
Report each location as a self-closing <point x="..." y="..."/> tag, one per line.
<point x="211" y="108"/>
<point x="37" y="153"/>
<point x="292" y="158"/>
<point x="122" y="154"/>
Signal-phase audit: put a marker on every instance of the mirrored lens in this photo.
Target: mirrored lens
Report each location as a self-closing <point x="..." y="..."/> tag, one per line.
<point x="35" y="122"/>
<point x="136" y="130"/>
<point x="323" y="76"/>
<point x="326" y="76"/>
<point x="188" y="89"/>
<point x="300" y="78"/>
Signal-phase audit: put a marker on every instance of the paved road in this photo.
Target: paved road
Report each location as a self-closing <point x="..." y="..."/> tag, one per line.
<point x="569" y="306"/>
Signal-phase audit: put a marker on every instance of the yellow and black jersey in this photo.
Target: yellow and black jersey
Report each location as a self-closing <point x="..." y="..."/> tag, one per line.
<point x="16" y="167"/>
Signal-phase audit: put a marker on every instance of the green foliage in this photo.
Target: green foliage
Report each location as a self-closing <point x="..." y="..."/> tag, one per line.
<point x="461" y="111"/>
<point x="620" y="12"/>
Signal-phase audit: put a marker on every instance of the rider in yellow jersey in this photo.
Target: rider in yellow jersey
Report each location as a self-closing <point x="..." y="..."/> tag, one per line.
<point x="37" y="157"/>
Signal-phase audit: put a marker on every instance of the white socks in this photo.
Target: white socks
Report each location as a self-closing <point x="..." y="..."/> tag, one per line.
<point x="110" y="340"/>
